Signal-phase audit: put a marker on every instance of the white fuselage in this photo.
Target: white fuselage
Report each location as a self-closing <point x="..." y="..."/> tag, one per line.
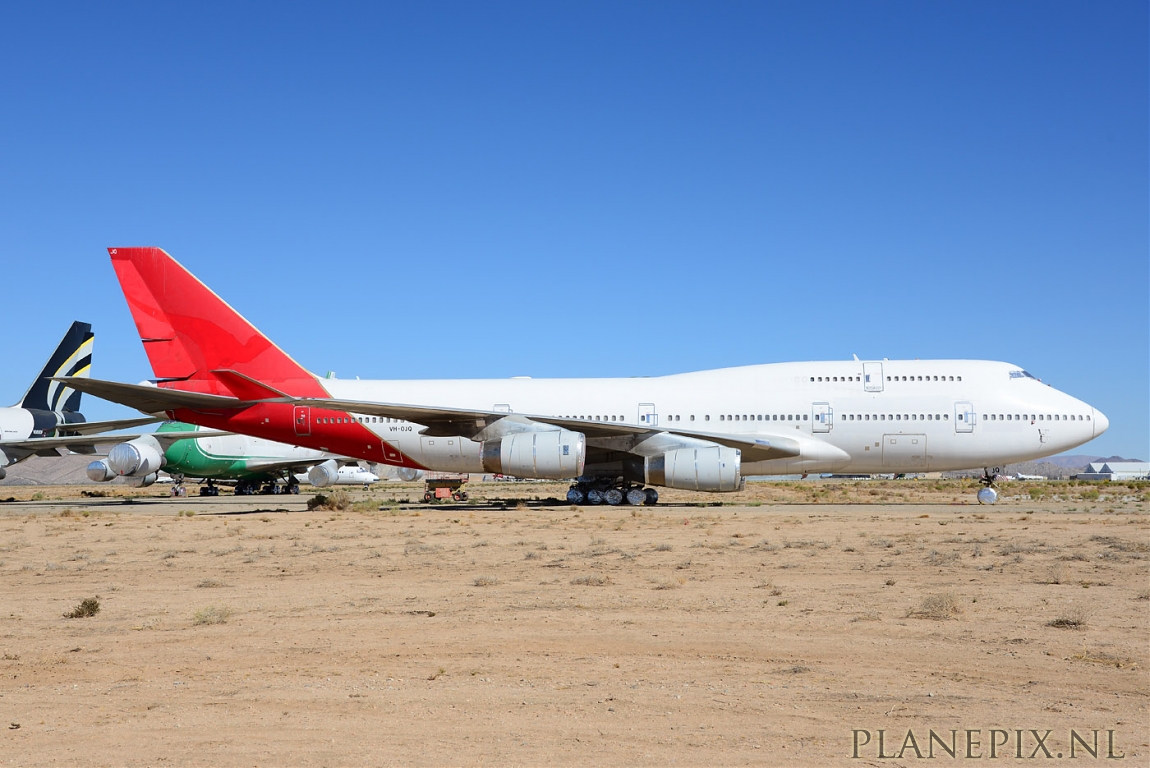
<point x="16" y="423"/>
<point x="847" y="416"/>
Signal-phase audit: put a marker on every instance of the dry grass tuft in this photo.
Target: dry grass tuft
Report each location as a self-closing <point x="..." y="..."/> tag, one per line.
<point x="1074" y="618"/>
<point x="938" y="607"/>
<point x="334" y="501"/>
<point x="591" y="581"/>
<point x="213" y="614"/>
<point x="485" y="581"/>
<point x="87" y="608"/>
<point x="669" y="583"/>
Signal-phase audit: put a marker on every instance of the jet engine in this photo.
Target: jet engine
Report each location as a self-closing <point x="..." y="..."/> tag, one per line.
<point x="696" y="469"/>
<point x="554" y="455"/>
<point x="136" y="458"/>
<point x="323" y="475"/>
<point x="408" y="475"/>
<point x="99" y="471"/>
<point x="142" y="482"/>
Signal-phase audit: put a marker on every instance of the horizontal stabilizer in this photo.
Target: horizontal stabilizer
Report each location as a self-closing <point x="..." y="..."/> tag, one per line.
<point x="154" y="399"/>
<point x="245" y="387"/>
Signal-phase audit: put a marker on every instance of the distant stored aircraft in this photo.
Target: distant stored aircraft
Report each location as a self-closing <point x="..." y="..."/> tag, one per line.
<point x="251" y="463"/>
<point x="348" y="474"/>
<point x="48" y="417"/>
<point x="699" y="431"/>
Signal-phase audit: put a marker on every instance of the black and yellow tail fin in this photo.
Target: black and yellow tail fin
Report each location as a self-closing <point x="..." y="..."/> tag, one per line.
<point x="73" y="357"/>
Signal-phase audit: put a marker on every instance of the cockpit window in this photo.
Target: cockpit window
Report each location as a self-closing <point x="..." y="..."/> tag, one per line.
<point x="1022" y="375"/>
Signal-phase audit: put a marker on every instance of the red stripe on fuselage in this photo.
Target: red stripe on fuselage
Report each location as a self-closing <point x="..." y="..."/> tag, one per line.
<point x="273" y="421"/>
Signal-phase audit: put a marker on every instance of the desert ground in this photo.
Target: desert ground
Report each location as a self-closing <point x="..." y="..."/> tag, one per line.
<point x="851" y="623"/>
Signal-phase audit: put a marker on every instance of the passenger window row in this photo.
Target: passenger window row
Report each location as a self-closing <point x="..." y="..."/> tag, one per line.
<point x="924" y="378"/>
<point x="763" y="417"/>
<point x="1034" y="417"/>
<point x="895" y="417"/>
<point x="826" y="379"/>
<point x="596" y="417"/>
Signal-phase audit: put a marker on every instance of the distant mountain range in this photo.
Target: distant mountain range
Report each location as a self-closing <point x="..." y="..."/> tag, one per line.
<point x="43" y="470"/>
<point x="1054" y="467"/>
<point x="1079" y="461"/>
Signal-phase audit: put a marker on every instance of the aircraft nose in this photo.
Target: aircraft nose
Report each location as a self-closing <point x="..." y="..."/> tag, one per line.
<point x="1101" y="423"/>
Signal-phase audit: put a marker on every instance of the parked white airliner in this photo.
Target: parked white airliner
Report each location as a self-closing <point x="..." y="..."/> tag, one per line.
<point x="699" y="431"/>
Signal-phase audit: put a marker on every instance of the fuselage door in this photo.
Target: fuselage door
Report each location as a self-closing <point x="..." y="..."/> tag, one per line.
<point x="872" y="377"/>
<point x="647" y="415"/>
<point x="302" y="419"/>
<point x="823" y="417"/>
<point x="964" y="417"/>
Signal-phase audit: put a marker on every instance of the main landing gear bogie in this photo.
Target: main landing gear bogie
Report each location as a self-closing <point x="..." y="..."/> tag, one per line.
<point x="611" y="493"/>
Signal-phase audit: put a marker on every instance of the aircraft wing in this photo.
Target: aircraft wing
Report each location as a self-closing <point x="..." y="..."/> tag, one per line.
<point x="449" y="421"/>
<point x="292" y="465"/>
<point x="439" y="421"/>
<point x="91" y="427"/>
<point x="45" y="446"/>
<point x="86" y="444"/>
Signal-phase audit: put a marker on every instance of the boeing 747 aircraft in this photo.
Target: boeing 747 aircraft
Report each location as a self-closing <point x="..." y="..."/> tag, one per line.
<point x="617" y="439"/>
<point x="48" y="417"/>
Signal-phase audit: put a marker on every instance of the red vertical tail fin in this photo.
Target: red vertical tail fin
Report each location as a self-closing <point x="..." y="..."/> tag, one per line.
<point x="194" y="339"/>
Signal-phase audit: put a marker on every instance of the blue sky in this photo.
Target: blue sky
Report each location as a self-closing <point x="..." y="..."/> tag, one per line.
<point x="425" y="190"/>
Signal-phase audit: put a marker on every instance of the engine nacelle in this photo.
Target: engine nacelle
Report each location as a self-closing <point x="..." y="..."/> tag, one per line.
<point x="696" y="469"/>
<point x="323" y="475"/>
<point x="555" y="455"/>
<point x="100" y="472"/>
<point x="408" y="475"/>
<point x="142" y="482"/>
<point x="3" y="473"/>
<point x="136" y="458"/>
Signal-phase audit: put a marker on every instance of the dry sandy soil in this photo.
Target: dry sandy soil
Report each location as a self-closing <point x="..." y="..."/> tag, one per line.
<point x="789" y="627"/>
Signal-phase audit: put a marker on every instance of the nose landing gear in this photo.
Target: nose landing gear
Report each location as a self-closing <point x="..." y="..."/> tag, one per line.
<point x="987" y="494"/>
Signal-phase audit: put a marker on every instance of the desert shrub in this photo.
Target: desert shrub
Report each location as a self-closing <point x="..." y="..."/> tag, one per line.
<point x="591" y="581"/>
<point x="336" y="500"/>
<point x="938" y="607"/>
<point x="88" y="607"/>
<point x="485" y="581"/>
<point x="213" y="614"/>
